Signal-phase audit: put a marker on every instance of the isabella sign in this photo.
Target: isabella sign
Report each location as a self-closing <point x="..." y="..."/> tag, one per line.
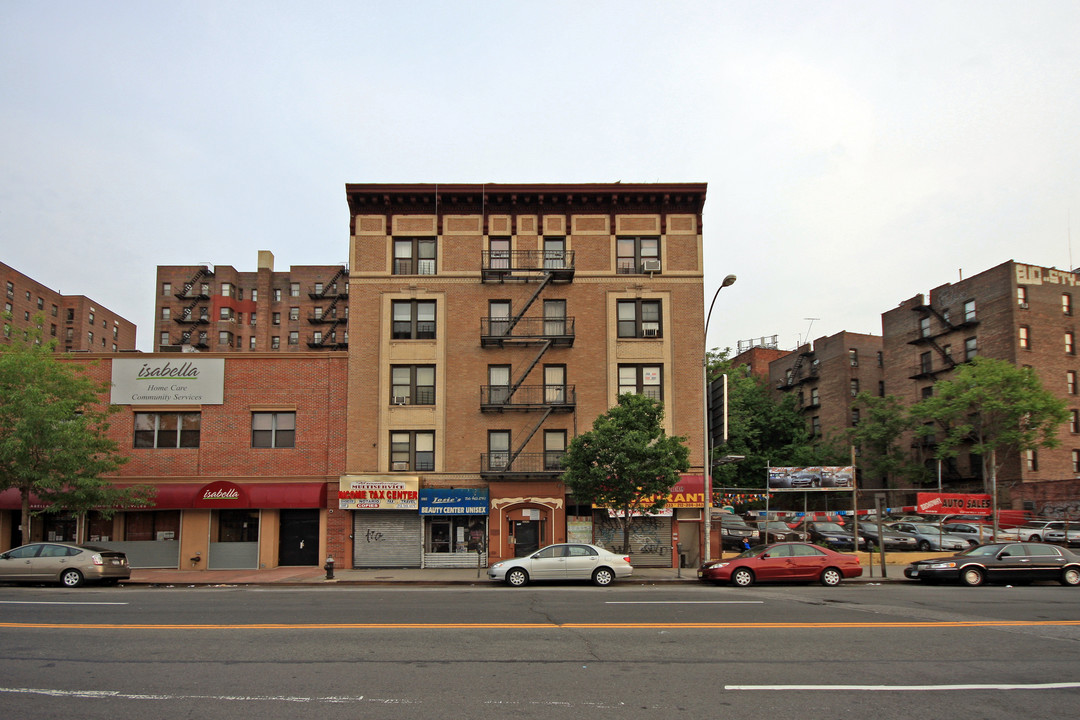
<point x="173" y="380"/>
<point x="221" y="494"/>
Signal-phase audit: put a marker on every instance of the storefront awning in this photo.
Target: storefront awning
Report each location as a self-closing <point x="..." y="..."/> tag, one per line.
<point x="181" y="496"/>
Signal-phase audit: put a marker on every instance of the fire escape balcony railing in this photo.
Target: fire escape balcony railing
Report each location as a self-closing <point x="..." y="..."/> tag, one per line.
<point x="496" y="398"/>
<point x="501" y="264"/>
<point x="498" y="331"/>
<point x="507" y="464"/>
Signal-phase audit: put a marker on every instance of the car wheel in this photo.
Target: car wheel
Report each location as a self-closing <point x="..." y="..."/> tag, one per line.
<point x="972" y="576"/>
<point x="603" y="577"/>
<point x="1070" y="576"/>
<point x="742" y="577"/>
<point x="71" y="578"/>
<point x="517" y="577"/>
<point x="831" y="577"/>
<point x="869" y="545"/>
<point x="924" y="545"/>
<point x="1034" y="538"/>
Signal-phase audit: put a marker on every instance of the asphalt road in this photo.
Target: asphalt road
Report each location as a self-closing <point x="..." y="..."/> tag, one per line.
<point x="567" y="651"/>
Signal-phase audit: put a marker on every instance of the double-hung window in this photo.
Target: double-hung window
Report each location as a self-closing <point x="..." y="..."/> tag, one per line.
<point x="635" y="255"/>
<point x="414" y="256"/>
<point x="639" y="319"/>
<point x="554" y="253"/>
<point x="413" y="320"/>
<point x="412" y="384"/>
<point x="498" y="449"/>
<point x="641" y="380"/>
<point x="412" y="450"/>
<point x="167" y="429"/>
<point x="273" y="429"/>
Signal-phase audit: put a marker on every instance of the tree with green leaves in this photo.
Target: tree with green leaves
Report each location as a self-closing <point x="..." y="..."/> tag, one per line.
<point x="883" y="421"/>
<point x="993" y="409"/>
<point x="765" y="430"/>
<point x="53" y="439"/>
<point x="627" y="462"/>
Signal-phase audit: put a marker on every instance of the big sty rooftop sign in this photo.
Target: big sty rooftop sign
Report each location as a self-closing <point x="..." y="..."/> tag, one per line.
<point x="182" y="380"/>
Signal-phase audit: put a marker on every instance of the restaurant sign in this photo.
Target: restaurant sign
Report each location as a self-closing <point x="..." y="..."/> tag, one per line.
<point x="221" y="494"/>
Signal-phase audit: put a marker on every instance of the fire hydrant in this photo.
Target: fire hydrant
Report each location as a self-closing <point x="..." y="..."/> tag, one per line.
<point x="329" y="567"/>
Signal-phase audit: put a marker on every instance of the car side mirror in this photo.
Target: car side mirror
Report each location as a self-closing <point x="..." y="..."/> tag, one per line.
<point x="764" y="555"/>
<point x="1004" y="554"/>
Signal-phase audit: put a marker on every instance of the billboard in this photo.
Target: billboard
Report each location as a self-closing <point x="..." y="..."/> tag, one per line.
<point x="168" y="381"/>
<point x="818" y="477"/>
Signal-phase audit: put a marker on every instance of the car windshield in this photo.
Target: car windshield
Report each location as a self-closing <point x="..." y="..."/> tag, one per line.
<point x="929" y="529"/>
<point x="774" y="526"/>
<point x="830" y="527"/>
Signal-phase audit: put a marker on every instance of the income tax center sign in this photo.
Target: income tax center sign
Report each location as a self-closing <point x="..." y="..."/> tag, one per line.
<point x="167" y="381"/>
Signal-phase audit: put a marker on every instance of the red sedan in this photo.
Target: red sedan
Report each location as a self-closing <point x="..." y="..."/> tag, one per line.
<point x="782" y="562"/>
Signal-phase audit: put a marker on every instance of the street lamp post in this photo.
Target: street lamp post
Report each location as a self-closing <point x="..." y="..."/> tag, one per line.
<point x="706" y="466"/>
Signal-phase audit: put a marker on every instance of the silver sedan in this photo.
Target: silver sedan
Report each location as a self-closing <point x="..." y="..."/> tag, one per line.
<point x="65" y="563"/>
<point x="564" y="561"/>
<point x="932" y="537"/>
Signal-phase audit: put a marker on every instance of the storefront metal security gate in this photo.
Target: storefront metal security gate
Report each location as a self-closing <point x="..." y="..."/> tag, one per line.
<point x="387" y="538"/>
<point x="650" y="538"/>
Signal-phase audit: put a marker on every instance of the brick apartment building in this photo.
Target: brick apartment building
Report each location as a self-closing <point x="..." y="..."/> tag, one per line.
<point x="1024" y="314"/>
<point x="490" y="325"/>
<point x="76" y="322"/>
<point x="826" y="377"/>
<point x="220" y="309"/>
<point x="242" y="450"/>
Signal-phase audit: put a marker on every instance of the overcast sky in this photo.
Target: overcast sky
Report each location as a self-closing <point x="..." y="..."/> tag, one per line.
<point x="857" y="153"/>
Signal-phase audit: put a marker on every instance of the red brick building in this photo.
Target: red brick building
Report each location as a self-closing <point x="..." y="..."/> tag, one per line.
<point x="220" y="309"/>
<point x="76" y="322"/>
<point x="826" y="377"/>
<point x="1024" y="314"/>
<point x="244" y="452"/>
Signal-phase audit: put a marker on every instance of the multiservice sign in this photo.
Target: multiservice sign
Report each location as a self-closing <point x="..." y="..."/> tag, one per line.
<point x="378" y="492"/>
<point x="168" y="381"/>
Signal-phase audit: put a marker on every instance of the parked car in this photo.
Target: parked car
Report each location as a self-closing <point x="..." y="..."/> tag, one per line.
<point x="931" y="537"/>
<point x="891" y="538"/>
<point x="782" y="562"/>
<point x="735" y="534"/>
<point x="563" y="561"/>
<point x="833" y="535"/>
<point x="976" y="534"/>
<point x="1069" y="537"/>
<point x="777" y="531"/>
<point x="1001" y="562"/>
<point x="1034" y="531"/>
<point x="65" y="563"/>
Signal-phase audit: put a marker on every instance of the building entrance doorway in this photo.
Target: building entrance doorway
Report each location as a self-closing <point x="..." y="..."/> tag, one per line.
<point x="298" y="542"/>
<point x="526" y="537"/>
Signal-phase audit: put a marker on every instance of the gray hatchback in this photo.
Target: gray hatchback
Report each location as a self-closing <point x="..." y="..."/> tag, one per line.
<point x="64" y="563"/>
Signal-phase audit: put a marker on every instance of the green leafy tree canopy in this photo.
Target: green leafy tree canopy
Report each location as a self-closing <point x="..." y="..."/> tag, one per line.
<point x="53" y="440"/>
<point x="626" y="462"/>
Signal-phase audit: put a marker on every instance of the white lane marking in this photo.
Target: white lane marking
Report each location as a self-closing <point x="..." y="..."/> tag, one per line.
<point x="907" y="688"/>
<point x="685" y="602"/>
<point x="116" y="694"/>
<point x="43" y="602"/>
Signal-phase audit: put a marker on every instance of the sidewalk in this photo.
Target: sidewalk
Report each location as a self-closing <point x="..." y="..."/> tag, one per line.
<point x="433" y="576"/>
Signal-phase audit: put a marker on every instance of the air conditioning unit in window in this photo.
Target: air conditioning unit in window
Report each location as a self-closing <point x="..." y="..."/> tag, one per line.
<point x="399" y="466"/>
<point x="650" y="332"/>
<point x="650" y="266"/>
<point x="1023" y="306"/>
<point x="401" y="400"/>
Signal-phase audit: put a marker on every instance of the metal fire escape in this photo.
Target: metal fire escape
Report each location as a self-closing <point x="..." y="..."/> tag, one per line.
<point x="335" y="316"/>
<point x="548" y="268"/>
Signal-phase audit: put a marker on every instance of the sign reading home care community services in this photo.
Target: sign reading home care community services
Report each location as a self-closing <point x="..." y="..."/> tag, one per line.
<point x="168" y="381"/>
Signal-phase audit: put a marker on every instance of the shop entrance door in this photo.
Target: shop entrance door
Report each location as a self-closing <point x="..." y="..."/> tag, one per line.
<point x="298" y="542"/>
<point x="526" y="536"/>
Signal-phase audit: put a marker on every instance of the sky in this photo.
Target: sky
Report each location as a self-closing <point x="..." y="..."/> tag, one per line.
<point x="857" y="153"/>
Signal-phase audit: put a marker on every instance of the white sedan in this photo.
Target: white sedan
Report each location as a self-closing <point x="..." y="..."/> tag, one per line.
<point x="564" y="561"/>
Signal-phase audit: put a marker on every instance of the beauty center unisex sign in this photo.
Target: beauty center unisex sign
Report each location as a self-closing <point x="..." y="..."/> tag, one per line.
<point x="168" y="381"/>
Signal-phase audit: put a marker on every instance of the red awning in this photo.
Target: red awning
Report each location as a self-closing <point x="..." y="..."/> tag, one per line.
<point x="181" y="496"/>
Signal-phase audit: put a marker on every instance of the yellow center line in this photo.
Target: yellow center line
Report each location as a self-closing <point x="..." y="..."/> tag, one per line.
<point x="545" y="626"/>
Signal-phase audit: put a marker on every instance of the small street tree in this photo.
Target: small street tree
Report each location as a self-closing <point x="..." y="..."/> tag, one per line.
<point x="53" y="440"/>
<point x="882" y="423"/>
<point x="626" y="462"/>
<point x="994" y="409"/>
